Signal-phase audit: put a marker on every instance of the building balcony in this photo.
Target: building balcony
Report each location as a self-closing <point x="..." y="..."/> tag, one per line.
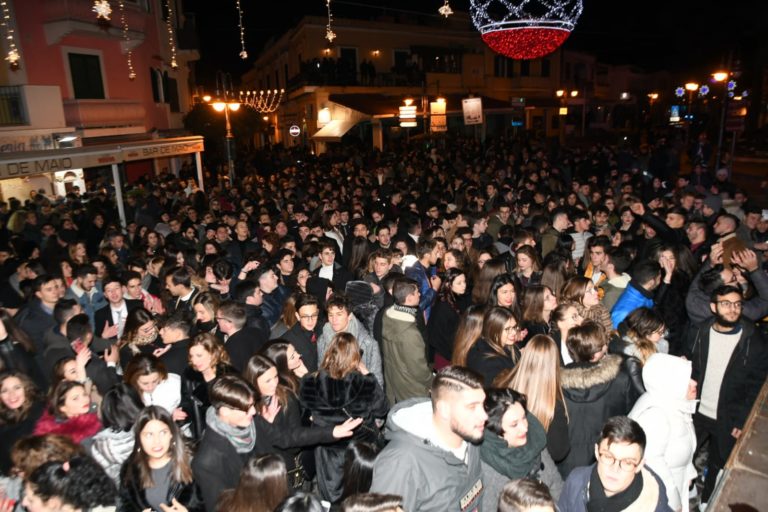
<point x="126" y="115"/>
<point x="76" y="17"/>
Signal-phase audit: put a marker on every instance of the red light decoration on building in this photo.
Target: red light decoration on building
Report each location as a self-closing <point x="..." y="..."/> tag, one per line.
<point x="525" y="29"/>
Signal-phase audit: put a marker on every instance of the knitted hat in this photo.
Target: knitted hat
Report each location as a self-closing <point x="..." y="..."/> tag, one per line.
<point x="713" y="202"/>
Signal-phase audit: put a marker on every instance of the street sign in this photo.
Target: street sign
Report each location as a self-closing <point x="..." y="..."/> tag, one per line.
<point x="737" y="113"/>
<point x="294" y="131"/>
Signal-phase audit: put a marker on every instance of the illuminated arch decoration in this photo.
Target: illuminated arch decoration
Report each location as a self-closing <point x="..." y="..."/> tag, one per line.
<point x="525" y="29"/>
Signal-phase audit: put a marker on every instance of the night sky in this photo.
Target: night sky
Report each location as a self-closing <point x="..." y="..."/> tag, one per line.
<point x="685" y="37"/>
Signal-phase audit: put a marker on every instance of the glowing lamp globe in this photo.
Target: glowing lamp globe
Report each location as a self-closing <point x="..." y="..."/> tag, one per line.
<point x="525" y="29"/>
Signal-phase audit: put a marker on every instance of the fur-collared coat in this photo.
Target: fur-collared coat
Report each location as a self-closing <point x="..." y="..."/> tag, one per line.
<point x="332" y="402"/>
<point x="593" y="393"/>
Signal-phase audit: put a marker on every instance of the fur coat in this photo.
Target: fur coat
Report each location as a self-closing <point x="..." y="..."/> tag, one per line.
<point x="77" y="428"/>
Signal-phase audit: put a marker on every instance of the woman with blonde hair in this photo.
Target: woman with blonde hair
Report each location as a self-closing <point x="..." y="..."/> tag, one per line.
<point x="205" y="305"/>
<point x="537" y="376"/>
<point x="78" y="253"/>
<point x="208" y="361"/>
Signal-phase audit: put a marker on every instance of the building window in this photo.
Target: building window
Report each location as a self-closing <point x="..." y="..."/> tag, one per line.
<point x="545" y="67"/>
<point x="503" y="67"/>
<point x="525" y="68"/>
<point x="285" y="74"/>
<point x="172" y="95"/>
<point x="87" y="83"/>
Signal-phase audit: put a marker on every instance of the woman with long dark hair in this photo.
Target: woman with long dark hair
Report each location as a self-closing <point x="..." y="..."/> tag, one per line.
<point x="139" y="335"/>
<point x="290" y="366"/>
<point x="263" y="485"/>
<point x="445" y="317"/>
<point x="527" y="265"/>
<point x="496" y="350"/>
<point x="156" y="386"/>
<point x="358" y="468"/>
<point x="467" y="334"/>
<point x="158" y="472"/>
<point x="538" y="304"/>
<point x="20" y="409"/>
<point x="69" y="413"/>
<point x="342" y="389"/>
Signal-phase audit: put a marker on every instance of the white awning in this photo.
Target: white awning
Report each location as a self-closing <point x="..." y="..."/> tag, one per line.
<point x="333" y="131"/>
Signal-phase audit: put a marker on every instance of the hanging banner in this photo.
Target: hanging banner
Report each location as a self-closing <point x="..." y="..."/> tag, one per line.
<point x="473" y="110"/>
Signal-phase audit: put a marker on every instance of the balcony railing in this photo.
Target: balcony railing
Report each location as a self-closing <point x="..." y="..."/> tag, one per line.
<point x="103" y="113"/>
<point x="12" y="106"/>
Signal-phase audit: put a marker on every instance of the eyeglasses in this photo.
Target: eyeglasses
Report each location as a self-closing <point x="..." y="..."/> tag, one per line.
<point x="220" y="318"/>
<point x="624" y="464"/>
<point x="308" y="317"/>
<point x="730" y="305"/>
<point x="514" y="328"/>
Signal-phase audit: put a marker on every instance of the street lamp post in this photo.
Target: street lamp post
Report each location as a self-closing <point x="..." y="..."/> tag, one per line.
<point x="722" y="77"/>
<point x="691" y="87"/>
<point x="563" y="94"/>
<point x="224" y="103"/>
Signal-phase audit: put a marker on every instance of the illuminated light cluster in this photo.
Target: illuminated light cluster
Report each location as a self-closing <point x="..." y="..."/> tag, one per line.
<point x="243" y="54"/>
<point x="171" y="38"/>
<point x="525" y="43"/>
<point x="13" y="56"/>
<point x="264" y="102"/>
<point x="445" y="10"/>
<point x="679" y="92"/>
<point x="330" y="35"/>
<point x="704" y="90"/>
<point x="525" y="29"/>
<point x="127" y="39"/>
<point x="102" y="9"/>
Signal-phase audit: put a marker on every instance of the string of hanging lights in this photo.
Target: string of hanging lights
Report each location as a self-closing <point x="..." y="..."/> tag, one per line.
<point x="13" y="57"/>
<point x="243" y="53"/>
<point x="127" y="41"/>
<point x="330" y="35"/>
<point x="171" y="38"/>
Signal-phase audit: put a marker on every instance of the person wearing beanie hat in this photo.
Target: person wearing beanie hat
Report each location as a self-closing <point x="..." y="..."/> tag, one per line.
<point x="712" y="206"/>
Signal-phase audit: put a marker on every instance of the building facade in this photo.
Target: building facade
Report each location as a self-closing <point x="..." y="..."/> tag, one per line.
<point x="74" y="86"/>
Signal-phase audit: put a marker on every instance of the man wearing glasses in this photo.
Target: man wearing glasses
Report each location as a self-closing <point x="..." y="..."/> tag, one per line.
<point x="730" y="363"/>
<point x="619" y="480"/>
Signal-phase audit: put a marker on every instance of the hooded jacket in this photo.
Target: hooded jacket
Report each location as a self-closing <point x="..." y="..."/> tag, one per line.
<point x="429" y="478"/>
<point x="613" y="288"/>
<point x="407" y="372"/>
<point x="633" y="297"/>
<point x="593" y="393"/>
<point x="371" y="354"/>
<point x="667" y="419"/>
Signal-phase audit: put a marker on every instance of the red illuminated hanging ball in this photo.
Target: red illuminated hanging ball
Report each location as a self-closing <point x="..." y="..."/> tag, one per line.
<point x="525" y="29"/>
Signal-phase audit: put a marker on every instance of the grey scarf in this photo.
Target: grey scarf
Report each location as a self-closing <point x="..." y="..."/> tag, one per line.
<point x="243" y="439"/>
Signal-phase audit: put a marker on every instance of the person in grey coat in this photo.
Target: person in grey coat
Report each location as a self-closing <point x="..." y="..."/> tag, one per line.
<point x="432" y="460"/>
<point x="341" y="319"/>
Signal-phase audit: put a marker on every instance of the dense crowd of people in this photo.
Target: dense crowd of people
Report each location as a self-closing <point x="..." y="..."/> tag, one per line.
<point x="459" y="327"/>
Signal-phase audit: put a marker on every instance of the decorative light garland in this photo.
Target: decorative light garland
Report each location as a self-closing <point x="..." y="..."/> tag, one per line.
<point x="264" y="102"/>
<point x="445" y="10"/>
<point x="243" y="53"/>
<point x="330" y="35"/>
<point x="13" y="57"/>
<point x="530" y="28"/>
<point x="127" y="39"/>
<point x="102" y="9"/>
<point x="171" y="39"/>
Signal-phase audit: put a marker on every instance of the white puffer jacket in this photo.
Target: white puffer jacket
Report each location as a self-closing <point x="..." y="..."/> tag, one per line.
<point x="667" y="419"/>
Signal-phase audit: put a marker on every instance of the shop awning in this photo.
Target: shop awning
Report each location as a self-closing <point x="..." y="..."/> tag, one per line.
<point x="335" y="130"/>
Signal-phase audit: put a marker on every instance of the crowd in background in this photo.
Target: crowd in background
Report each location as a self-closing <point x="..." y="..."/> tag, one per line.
<point x="445" y="326"/>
